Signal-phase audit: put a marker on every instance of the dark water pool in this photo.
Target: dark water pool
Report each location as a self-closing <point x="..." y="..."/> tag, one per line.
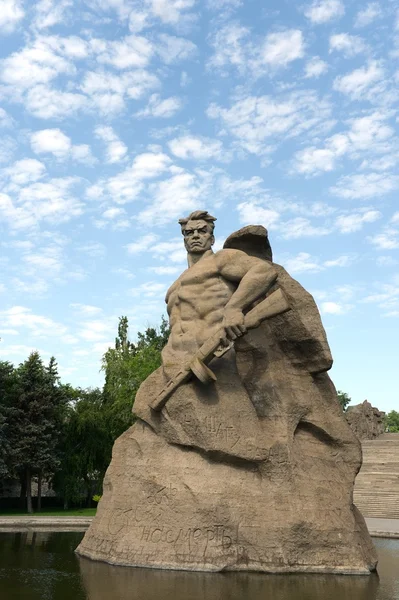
<point x="43" y="566"/>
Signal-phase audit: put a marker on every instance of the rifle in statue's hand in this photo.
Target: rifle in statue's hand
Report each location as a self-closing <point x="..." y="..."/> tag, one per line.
<point x="274" y="304"/>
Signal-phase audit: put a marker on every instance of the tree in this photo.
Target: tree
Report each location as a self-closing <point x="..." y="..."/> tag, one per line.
<point x="35" y="422"/>
<point x="126" y="366"/>
<point x="343" y="399"/>
<point x="7" y="392"/>
<point x="86" y="446"/>
<point x="392" y="421"/>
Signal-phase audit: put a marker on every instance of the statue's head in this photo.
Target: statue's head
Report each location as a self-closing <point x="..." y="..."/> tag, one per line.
<point x="197" y="230"/>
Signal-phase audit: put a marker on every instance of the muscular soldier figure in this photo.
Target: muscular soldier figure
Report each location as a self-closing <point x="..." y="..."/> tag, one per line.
<point x="212" y="293"/>
<point x="207" y="299"/>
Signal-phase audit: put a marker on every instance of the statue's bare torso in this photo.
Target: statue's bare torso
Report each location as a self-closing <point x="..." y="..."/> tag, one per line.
<point x="196" y="303"/>
<point x="200" y="301"/>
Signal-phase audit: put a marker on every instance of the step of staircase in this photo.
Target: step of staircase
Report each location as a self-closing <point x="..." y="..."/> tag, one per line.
<point x="376" y="492"/>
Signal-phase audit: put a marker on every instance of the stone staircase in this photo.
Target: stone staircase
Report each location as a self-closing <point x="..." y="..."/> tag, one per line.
<point x="377" y="485"/>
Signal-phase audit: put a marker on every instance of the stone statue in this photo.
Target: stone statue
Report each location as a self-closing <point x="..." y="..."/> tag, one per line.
<point x="241" y="458"/>
<point x="366" y="421"/>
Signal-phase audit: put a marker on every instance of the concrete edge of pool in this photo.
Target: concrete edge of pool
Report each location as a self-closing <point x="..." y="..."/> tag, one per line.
<point x="385" y="528"/>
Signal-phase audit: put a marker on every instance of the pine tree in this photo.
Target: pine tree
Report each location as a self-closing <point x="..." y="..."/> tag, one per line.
<point x="34" y="427"/>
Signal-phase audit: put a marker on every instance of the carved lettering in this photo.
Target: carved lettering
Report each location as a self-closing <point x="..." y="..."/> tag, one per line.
<point x="215" y="535"/>
<point x="146" y="534"/>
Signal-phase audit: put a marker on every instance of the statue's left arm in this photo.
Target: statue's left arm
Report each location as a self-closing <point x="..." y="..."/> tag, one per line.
<point x="254" y="278"/>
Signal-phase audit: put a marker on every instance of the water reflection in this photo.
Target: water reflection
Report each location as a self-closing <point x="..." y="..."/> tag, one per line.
<point x="103" y="582"/>
<point x="43" y="566"/>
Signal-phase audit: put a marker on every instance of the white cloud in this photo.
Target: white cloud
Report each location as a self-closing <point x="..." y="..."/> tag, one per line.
<point x="388" y="239"/>
<point x="355" y="221"/>
<point x="5" y="119"/>
<point x="172" y="251"/>
<point x="107" y="91"/>
<point x="386" y="261"/>
<point x="230" y="47"/>
<point x="196" y="148"/>
<point x="149" y="289"/>
<point x="172" y="49"/>
<point x="171" y="12"/>
<point x="48" y="261"/>
<point x="7" y="149"/>
<point x="234" y="45"/>
<point x="283" y="47"/>
<point x="366" y="134"/>
<point x="35" y="201"/>
<point x="368" y="14"/>
<point x="85" y="310"/>
<point x="22" y="172"/>
<point x="146" y="13"/>
<point x="315" y="67"/>
<point x="142" y="245"/>
<point x="37" y="63"/>
<point x="252" y="213"/>
<point x="54" y="141"/>
<point x="334" y="308"/>
<point x="305" y="263"/>
<point x="366" y="185"/>
<point x="359" y="81"/>
<point x="322" y="11"/>
<point x="382" y="163"/>
<point x="36" y="287"/>
<point x="48" y="103"/>
<point x="302" y="263"/>
<point x="116" y="149"/>
<point x="386" y="298"/>
<point x="301" y="227"/>
<point x="37" y="325"/>
<point x="127" y="185"/>
<point x="161" y="108"/>
<point x="165" y="270"/>
<point x="11" y="14"/>
<point x="50" y="12"/>
<point x="256" y="120"/>
<point x="341" y="261"/>
<point x="349" y="45"/>
<point x="173" y="197"/>
<point x="223" y="4"/>
<point x="131" y="51"/>
<point x="21" y="351"/>
<point x="95" y="330"/>
<point x="93" y="249"/>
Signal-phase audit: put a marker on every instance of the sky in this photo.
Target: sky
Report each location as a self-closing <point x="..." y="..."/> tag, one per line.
<point x="118" y="117"/>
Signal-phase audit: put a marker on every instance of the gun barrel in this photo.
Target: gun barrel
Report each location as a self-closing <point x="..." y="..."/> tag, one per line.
<point x="274" y="304"/>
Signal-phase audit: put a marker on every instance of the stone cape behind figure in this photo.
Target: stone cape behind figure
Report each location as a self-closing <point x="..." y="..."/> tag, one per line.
<point x="255" y="470"/>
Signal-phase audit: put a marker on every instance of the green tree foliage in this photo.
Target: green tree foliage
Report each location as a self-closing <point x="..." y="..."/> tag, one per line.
<point x="126" y="366"/>
<point x="7" y="398"/>
<point x="392" y="421"/>
<point x="343" y="399"/>
<point x="66" y="434"/>
<point x="35" y="421"/>
<point x="86" y="444"/>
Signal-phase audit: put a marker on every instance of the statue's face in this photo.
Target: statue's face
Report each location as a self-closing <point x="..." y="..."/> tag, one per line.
<point x="197" y="237"/>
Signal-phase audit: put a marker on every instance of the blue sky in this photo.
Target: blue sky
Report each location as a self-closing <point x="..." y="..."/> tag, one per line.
<point x="118" y="117"/>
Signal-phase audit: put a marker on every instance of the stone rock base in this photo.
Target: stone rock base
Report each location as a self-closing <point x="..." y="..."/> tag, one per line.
<point x="170" y="507"/>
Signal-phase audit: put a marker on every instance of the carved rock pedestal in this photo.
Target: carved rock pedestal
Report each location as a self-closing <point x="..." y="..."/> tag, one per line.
<point x="168" y="507"/>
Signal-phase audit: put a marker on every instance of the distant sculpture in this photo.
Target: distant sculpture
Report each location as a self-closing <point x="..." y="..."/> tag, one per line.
<point x="248" y="463"/>
<point x="366" y="421"/>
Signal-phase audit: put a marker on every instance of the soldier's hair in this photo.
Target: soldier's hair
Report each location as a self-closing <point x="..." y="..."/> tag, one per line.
<point x="197" y="215"/>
